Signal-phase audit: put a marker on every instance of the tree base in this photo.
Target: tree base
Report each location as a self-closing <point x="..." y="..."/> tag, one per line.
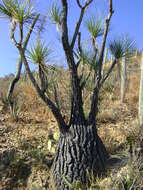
<point x="80" y="153"/>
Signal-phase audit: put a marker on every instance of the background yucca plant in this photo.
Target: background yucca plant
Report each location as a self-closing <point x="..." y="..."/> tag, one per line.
<point x="19" y="13"/>
<point x="17" y="10"/>
<point x="122" y="47"/>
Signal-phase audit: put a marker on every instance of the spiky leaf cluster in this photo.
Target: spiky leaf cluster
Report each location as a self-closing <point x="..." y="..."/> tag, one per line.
<point x="122" y="47"/>
<point x="55" y="14"/>
<point x="95" y="27"/>
<point x="88" y="57"/>
<point x="18" y="10"/>
<point x="39" y="53"/>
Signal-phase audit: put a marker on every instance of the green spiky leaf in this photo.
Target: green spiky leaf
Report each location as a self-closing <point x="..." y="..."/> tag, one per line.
<point x="55" y="14"/>
<point x="122" y="47"/>
<point x="87" y="57"/>
<point x="39" y="53"/>
<point x="95" y="28"/>
<point x="18" y="10"/>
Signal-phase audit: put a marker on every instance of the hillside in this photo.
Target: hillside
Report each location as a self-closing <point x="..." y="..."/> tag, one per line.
<point x="27" y="146"/>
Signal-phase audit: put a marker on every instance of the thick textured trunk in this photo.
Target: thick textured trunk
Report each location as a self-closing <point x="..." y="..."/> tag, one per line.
<point x="80" y="151"/>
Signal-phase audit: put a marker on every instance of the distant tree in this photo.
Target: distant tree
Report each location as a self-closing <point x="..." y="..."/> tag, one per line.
<point x="80" y="150"/>
<point x="18" y="13"/>
<point x="126" y="46"/>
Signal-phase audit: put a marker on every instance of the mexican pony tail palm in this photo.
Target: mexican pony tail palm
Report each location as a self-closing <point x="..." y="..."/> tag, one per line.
<point x="122" y="48"/>
<point x="17" y="13"/>
<point x="80" y="150"/>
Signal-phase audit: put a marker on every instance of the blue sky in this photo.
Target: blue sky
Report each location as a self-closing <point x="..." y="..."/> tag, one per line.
<point x="127" y="19"/>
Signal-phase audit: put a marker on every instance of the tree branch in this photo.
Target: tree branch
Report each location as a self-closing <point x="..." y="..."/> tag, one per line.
<point x="86" y="79"/>
<point x="30" y="31"/>
<point x="56" y="96"/>
<point x="21" y="33"/>
<point x="13" y="28"/>
<point x="75" y="82"/>
<point x="19" y="65"/>
<point x="79" y="42"/>
<point x="83" y="8"/>
<point x="108" y="72"/>
<point x="49" y="103"/>
<point x="65" y="38"/>
<point x="106" y="29"/>
<point x="79" y="4"/>
<point x="77" y="27"/>
<point x="94" y="101"/>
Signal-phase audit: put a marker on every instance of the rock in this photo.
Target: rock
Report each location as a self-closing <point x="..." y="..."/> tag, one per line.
<point x="48" y="161"/>
<point x="116" y="162"/>
<point x="6" y="156"/>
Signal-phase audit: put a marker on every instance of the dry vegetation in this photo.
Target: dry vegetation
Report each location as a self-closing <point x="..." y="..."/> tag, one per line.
<point x="28" y="136"/>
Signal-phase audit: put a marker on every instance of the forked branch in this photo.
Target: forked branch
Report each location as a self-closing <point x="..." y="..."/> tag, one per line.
<point x="94" y="101"/>
<point x="106" y="29"/>
<point x="83" y="8"/>
<point x="49" y="103"/>
<point x="30" y="31"/>
<point x="108" y="72"/>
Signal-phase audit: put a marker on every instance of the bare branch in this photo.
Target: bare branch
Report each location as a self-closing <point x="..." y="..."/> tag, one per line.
<point x="79" y="42"/>
<point x="94" y="101"/>
<point x="88" y="3"/>
<point x="106" y="29"/>
<point x="21" y="33"/>
<point x="108" y="72"/>
<point x="79" y="48"/>
<point x="79" y="4"/>
<point x="76" y="90"/>
<point x="79" y="20"/>
<point x="65" y="39"/>
<point x="13" y="28"/>
<point x="86" y="79"/>
<point x="56" y="96"/>
<point x="49" y="103"/>
<point x="30" y="31"/>
<point x="77" y="27"/>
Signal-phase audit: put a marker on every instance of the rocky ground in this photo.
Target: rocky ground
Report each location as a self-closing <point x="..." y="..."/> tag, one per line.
<point x="27" y="148"/>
